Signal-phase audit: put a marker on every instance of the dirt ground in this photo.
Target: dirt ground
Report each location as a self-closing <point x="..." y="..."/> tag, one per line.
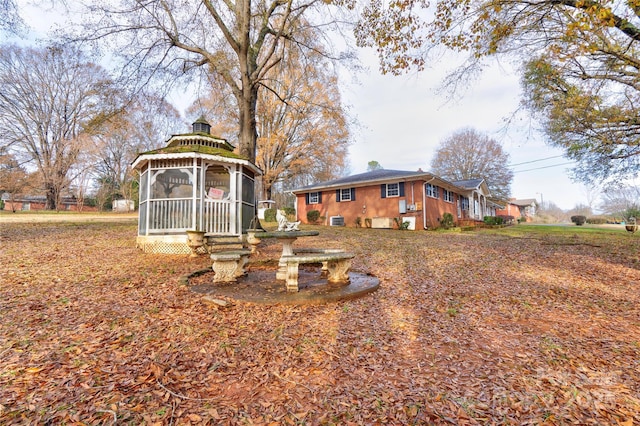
<point x="512" y="326"/>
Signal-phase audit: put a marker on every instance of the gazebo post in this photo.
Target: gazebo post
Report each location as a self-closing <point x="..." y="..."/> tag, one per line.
<point x="194" y="195"/>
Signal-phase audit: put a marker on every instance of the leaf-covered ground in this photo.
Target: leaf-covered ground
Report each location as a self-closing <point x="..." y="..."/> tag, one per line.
<point x="490" y="327"/>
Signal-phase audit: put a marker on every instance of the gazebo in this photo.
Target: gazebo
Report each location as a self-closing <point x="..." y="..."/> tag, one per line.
<point x="196" y="182"/>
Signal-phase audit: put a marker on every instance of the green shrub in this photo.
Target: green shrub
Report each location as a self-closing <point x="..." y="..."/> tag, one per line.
<point x="290" y="212"/>
<point x="447" y="221"/>
<point x="401" y="224"/>
<point x="358" y="222"/>
<point x="494" y="220"/>
<point x="596" y="220"/>
<point x="270" y="215"/>
<point x="579" y="220"/>
<point x="313" y="216"/>
<point x="631" y="212"/>
<point x="507" y="219"/>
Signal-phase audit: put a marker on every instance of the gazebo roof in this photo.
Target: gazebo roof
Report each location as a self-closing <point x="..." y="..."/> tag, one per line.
<point x="199" y="138"/>
<point x="197" y="144"/>
<point x="194" y="151"/>
<point x="222" y="152"/>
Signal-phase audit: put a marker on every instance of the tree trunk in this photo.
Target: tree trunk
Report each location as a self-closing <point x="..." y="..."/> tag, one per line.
<point x="52" y="197"/>
<point x="248" y="134"/>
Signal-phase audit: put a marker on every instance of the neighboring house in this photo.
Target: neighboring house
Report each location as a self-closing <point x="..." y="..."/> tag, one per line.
<point x="25" y="203"/>
<point x="525" y="209"/>
<point x="379" y="196"/>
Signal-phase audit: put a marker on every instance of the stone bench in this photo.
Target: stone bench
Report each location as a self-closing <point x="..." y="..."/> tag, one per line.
<point x="229" y="265"/>
<point x="338" y="264"/>
<point x="325" y="270"/>
<point x="220" y="243"/>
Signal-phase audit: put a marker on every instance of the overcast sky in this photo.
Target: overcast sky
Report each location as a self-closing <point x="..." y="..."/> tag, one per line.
<point x="404" y="118"/>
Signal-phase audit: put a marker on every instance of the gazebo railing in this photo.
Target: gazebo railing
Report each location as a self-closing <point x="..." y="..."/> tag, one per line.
<point x="176" y="215"/>
<point x="216" y="215"/>
<point x="170" y="214"/>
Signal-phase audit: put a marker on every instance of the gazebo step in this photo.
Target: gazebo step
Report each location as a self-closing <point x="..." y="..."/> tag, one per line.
<point x="217" y="243"/>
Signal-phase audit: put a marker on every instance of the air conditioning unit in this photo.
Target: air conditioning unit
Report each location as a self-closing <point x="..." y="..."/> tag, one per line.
<point x="336" y="221"/>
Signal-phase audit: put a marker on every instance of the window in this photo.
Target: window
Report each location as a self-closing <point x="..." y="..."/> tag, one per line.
<point x="392" y="190"/>
<point x="431" y="190"/>
<point x="448" y="195"/>
<point x="465" y="203"/>
<point x="313" y="198"/>
<point x="345" y="194"/>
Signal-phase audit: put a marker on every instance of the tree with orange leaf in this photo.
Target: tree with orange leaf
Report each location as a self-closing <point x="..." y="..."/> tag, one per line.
<point x="580" y="64"/>
<point x="303" y="132"/>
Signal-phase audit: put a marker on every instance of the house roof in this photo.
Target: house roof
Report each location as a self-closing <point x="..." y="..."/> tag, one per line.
<point x="495" y="204"/>
<point x="373" y="176"/>
<point x="524" y="202"/>
<point x="469" y="183"/>
<point x="385" y="175"/>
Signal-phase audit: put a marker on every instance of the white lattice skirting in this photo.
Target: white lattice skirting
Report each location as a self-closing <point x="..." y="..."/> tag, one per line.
<point x="165" y="244"/>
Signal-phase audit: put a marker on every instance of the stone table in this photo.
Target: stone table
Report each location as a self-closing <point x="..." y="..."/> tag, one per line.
<point x="287" y="238"/>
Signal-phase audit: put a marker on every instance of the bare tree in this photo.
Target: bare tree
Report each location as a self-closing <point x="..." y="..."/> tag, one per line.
<point x="550" y="213"/>
<point x="13" y="177"/>
<point x="10" y="20"/>
<point x="467" y="154"/>
<point x="49" y="100"/>
<point x="144" y="124"/>
<point x="303" y="128"/>
<point x="617" y="199"/>
<point x="238" y="41"/>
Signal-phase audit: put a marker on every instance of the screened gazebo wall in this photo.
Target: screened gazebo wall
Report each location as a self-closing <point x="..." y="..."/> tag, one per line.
<point x="197" y="193"/>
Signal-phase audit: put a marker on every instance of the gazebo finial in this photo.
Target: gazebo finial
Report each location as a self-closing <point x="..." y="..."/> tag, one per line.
<point x="201" y="125"/>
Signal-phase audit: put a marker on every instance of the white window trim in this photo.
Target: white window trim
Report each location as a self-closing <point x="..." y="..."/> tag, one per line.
<point x="432" y="191"/>
<point x="348" y="192"/>
<point x="448" y="196"/>
<point x="397" y="190"/>
<point x="317" y="198"/>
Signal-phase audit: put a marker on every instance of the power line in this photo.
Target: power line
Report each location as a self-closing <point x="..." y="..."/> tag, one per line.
<point x="535" y="161"/>
<point x="543" y="167"/>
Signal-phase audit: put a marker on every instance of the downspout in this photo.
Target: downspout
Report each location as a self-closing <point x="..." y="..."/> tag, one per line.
<point x="413" y="198"/>
<point x="424" y="203"/>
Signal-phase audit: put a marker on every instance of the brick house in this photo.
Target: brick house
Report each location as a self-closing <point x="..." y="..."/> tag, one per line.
<point x="525" y="208"/>
<point x="26" y="203"/>
<point x="379" y="196"/>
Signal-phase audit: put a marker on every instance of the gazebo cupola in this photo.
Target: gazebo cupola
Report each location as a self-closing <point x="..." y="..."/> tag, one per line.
<point x="196" y="182"/>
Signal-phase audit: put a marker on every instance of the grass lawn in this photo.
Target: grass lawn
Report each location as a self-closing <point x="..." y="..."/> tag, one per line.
<point x="518" y="325"/>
